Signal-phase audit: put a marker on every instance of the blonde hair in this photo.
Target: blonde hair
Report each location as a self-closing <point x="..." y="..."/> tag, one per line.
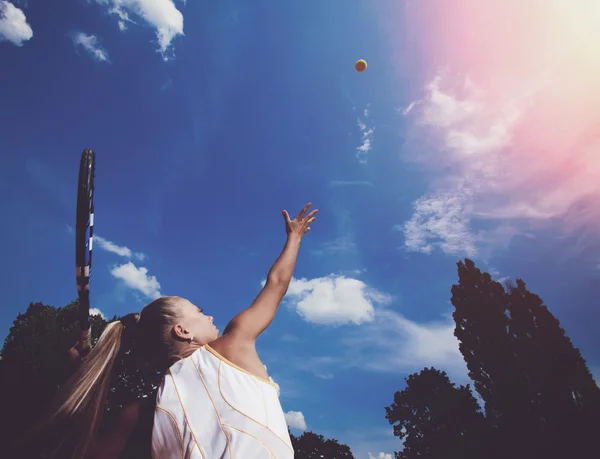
<point x="79" y="405"/>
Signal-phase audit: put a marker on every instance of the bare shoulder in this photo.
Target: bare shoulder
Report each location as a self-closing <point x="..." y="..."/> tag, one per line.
<point x="241" y="353"/>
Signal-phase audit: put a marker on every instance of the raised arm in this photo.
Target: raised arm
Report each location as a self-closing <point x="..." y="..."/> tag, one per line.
<point x="251" y="322"/>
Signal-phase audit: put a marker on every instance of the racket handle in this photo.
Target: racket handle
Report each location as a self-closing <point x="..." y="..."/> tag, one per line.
<point x="85" y="338"/>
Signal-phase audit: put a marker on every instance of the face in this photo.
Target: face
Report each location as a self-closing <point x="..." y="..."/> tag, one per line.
<point x="194" y="323"/>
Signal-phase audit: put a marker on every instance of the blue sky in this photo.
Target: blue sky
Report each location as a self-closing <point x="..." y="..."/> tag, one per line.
<point x="208" y="118"/>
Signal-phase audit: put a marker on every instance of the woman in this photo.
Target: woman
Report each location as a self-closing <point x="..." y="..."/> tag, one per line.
<point x="216" y="399"/>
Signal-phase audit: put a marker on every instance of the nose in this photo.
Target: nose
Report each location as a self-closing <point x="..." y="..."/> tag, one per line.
<point x="211" y="318"/>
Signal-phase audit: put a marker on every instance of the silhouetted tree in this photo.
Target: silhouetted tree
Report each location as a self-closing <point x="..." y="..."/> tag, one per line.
<point x="481" y="329"/>
<point x="436" y="419"/>
<point x="34" y="362"/>
<point x="539" y="396"/>
<point x="312" y="446"/>
<point x="561" y="396"/>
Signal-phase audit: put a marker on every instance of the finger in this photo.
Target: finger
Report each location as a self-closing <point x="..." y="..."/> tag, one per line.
<point x="310" y="220"/>
<point x="286" y="216"/>
<point x="312" y="214"/>
<point x="307" y="229"/>
<point x="303" y="211"/>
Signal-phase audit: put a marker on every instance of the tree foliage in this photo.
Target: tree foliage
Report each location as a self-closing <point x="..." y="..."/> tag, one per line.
<point x="540" y="398"/>
<point x="537" y="389"/>
<point x="481" y="329"/>
<point x="312" y="446"/>
<point x="435" y="418"/>
<point x="34" y="364"/>
<point x="34" y="361"/>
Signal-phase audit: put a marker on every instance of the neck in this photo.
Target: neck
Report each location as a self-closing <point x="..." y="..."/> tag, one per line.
<point x="187" y="349"/>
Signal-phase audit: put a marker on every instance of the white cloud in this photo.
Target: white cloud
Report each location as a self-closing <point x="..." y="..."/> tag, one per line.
<point x="385" y="342"/>
<point x="343" y="244"/>
<point x="334" y="300"/>
<point x="91" y="45"/>
<point x="441" y="219"/>
<point x="516" y="140"/>
<point x="13" y="24"/>
<point x="295" y="420"/>
<point x="123" y="17"/>
<point x="446" y="110"/>
<point x="137" y="279"/>
<point x="470" y="129"/>
<point x="97" y="312"/>
<point x="112" y="247"/>
<point x="394" y="344"/>
<point x="380" y="456"/>
<point x="162" y="15"/>
<point x="405" y="111"/>
<point x="366" y="141"/>
<point x="366" y="144"/>
<point x="117" y="249"/>
<point x="133" y="277"/>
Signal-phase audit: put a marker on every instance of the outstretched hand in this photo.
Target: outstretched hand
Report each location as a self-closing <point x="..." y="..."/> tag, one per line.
<point x="299" y="226"/>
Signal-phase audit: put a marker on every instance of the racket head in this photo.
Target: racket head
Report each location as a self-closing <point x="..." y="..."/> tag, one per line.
<point x="84" y="236"/>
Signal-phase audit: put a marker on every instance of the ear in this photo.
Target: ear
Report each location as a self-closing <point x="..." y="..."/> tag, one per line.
<point x="180" y="332"/>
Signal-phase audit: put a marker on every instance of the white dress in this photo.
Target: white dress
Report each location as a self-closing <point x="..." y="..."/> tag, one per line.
<point x="209" y="408"/>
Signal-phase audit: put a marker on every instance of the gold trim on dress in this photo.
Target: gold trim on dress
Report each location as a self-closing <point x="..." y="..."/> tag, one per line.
<point x="237" y="367"/>
<point x="214" y="406"/>
<point x="250" y="435"/>
<point x="244" y="414"/>
<point x="265" y="404"/>
<point x="178" y="430"/>
<point x="186" y="416"/>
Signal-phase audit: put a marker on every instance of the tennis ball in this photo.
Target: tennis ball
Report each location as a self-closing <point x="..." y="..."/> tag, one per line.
<point x="361" y="65"/>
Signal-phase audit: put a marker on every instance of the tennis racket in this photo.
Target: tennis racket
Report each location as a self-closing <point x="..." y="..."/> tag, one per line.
<point x="84" y="235"/>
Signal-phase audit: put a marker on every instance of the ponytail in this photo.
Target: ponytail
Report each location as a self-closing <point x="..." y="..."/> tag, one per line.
<point x="70" y="425"/>
<point x="73" y="419"/>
